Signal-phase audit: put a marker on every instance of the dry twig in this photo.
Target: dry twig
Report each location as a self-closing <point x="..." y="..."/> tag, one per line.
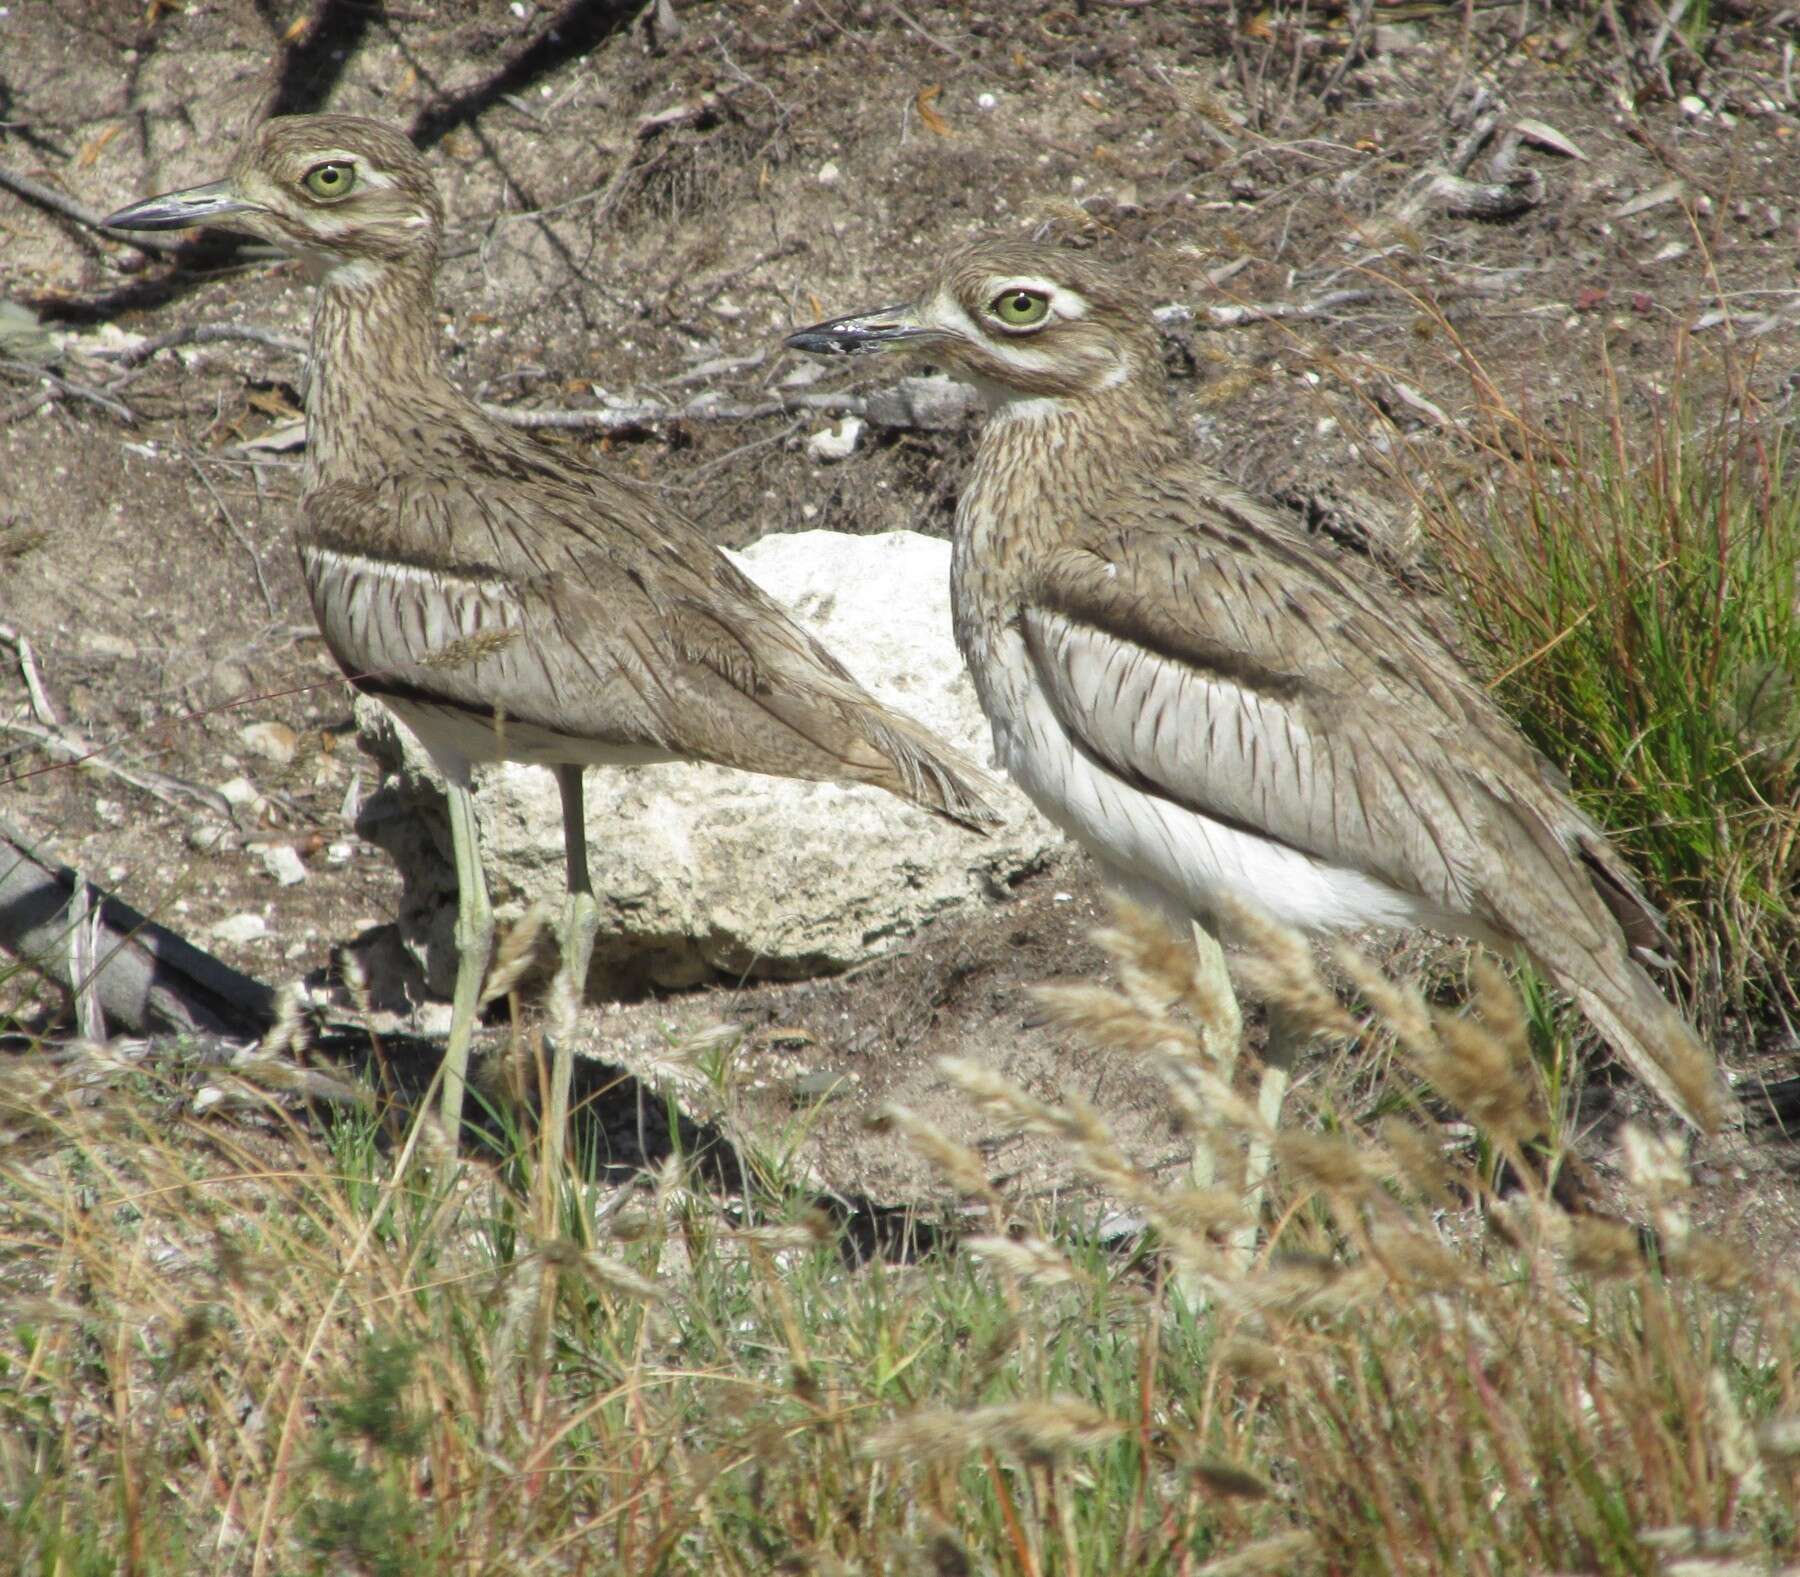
<point x="48" y="197"/>
<point x="76" y="748"/>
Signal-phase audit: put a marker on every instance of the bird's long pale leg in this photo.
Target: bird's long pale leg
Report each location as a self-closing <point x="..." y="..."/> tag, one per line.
<point x="1285" y="1039"/>
<point x="474" y="944"/>
<point x="581" y="917"/>
<point x="1211" y="976"/>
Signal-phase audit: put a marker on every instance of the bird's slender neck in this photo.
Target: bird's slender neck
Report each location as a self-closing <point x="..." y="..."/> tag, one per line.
<point x="1044" y="462"/>
<point x="1045" y="459"/>
<point x="376" y="367"/>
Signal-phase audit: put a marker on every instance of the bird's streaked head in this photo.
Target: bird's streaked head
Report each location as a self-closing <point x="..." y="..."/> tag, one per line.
<point x="1021" y="320"/>
<point x="348" y="193"/>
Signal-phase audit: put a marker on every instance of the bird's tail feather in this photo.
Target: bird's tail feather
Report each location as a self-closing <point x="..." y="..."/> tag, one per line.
<point x="1657" y="1044"/>
<point x="932" y="775"/>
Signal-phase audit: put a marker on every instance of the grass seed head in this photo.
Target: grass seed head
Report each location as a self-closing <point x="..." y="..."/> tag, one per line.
<point x="1605" y="1250"/>
<point x="1283" y="1555"/>
<point x="961" y="1165"/>
<point x="1418" y="1160"/>
<point x="1328" y="1163"/>
<point x="1230" y="1481"/>
<point x="1278" y="968"/>
<point x="995" y="1093"/>
<point x="1401" y="1007"/>
<point x="1030" y="1259"/>
<point x="1488" y="1079"/>
<point x="468" y="650"/>
<point x="1032" y="1431"/>
<point x="1255" y="1361"/>
<point x="518" y="950"/>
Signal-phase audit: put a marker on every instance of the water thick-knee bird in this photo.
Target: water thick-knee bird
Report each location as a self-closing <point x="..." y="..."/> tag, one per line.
<point x="1196" y="693"/>
<point x="505" y="600"/>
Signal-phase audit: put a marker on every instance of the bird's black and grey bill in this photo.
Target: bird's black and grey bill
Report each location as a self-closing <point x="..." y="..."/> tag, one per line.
<point x="858" y="335"/>
<point x="198" y="205"/>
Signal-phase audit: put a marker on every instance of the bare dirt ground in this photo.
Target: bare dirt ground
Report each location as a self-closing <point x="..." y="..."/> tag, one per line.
<point x="644" y="199"/>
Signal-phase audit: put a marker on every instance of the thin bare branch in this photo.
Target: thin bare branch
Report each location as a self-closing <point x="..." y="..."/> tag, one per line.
<point x="75" y="747"/>
<point x="205" y="334"/>
<point x="49" y="197"/>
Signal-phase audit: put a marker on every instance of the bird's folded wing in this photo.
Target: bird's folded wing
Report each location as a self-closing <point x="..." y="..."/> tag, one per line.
<point x="1257" y="697"/>
<point x="493" y="598"/>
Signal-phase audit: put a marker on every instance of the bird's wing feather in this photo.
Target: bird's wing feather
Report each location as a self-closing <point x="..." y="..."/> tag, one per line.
<point x="628" y="629"/>
<point x="1252" y="691"/>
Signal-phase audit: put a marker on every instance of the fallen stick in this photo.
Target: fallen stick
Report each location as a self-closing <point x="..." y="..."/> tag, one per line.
<point x="143" y="976"/>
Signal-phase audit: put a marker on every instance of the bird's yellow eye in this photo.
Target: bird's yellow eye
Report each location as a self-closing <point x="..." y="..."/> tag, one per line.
<point x="1018" y="308"/>
<point x="332" y="179"/>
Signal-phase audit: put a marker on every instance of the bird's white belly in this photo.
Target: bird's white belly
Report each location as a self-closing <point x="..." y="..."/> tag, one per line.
<point x="453" y="735"/>
<point x="1188" y="860"/>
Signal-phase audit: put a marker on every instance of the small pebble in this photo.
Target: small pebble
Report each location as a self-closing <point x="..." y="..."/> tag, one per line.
<point x="837" y="442"/>
<point x="829" y="174"/>
<point x="239" y="793"/>
<point x="282" y="862"/>
<point x="272" y="741"/>
<point x="240" y="928"/>
<point x="986" y="101"/>
<point x="210" y="839"/>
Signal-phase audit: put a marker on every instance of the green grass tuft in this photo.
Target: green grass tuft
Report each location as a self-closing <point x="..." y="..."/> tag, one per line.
<point x="1634" y="587"/>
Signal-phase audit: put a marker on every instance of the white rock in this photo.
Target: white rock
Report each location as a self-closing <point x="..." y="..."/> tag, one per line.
<point x="282" y="862"/>
<point x="837" y="442"/>
<point x="829" y="174"/>
<point x="985" y="101"/>
<point x="240" y="793"/>
<point x="241" y="928"/>
<point x="272" y="741"/>
<point x="700" y="871"/>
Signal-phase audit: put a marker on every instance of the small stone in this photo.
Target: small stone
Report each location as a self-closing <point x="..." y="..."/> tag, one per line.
<point x="341" y="852"/>
<point x="282" y="862"/>
<point x="434" y="1019"/>
<point x="109" y="811"/>
<point x="212" y="839"/>
<point x="829" y="174"/>
<point x="272" y="741"/>
<point x="102" y="643"/>
<point x="837" y="442"/>
<point x="226" y="681"/>
<point x="240" y="928"/>
<point x="238" y="791"/>
<point x="986" y="101"/>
